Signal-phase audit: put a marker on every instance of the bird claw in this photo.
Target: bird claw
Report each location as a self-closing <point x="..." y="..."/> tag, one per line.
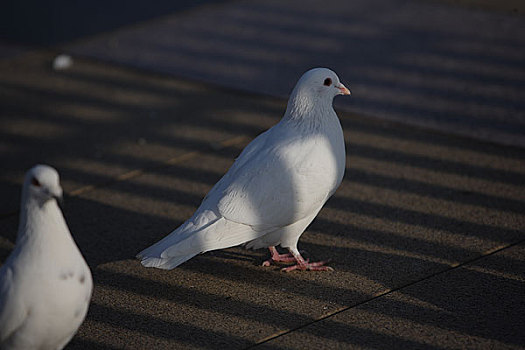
<point x="315" y="266"/>
<point x="278" y="258"/>
<point x="302" y="264"/>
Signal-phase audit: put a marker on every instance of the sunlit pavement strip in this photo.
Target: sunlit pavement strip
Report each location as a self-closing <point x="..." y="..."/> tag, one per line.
<point x="415" y="207"/>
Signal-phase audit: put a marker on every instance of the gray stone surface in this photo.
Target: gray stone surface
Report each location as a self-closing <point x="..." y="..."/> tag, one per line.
<point x="476" y="306"/>
<point x="424" y="63"/>
<point x="137" y="153"/>
<point x="9" y="50"/>
<point x="95" y="123"/>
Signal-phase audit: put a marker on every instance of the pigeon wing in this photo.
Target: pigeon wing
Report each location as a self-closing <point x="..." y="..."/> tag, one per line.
<point x="275" y="187"/>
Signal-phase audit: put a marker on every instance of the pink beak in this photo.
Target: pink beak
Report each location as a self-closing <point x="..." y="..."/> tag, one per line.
<point x="343" y="90"/>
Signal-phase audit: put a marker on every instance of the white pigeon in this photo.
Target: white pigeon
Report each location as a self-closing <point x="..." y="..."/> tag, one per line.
<point x="274" y="189"/>
<point x="45" y="284"/>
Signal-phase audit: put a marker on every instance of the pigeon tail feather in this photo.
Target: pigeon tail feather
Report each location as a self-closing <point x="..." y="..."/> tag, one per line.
<point x="183" y="243"/>
<point x="156" y="251"/>
<point x="165" y="263"/>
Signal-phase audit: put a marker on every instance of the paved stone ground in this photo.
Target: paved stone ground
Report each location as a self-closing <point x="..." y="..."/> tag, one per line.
<point x="424" y="63"/>
<point x="426" y="232"/>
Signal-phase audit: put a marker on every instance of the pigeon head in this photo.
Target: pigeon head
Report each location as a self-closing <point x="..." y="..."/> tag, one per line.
<point x="322" y="82"/>
<point x="315" y="91"/>
<point x="42" y="183"/>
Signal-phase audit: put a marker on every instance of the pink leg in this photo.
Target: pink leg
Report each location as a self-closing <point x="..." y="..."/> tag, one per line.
<point x="305" y="264"/>
<point x="276" y="257"/>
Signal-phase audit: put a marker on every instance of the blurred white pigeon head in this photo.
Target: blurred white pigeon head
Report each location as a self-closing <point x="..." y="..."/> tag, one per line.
<point x="315" y="91"/>
<point x="42" y="183"/>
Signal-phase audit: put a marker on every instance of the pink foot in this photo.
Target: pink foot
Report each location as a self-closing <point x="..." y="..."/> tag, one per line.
<point x="276" y="257"/>
<point x="305" y="265"/>
<point x="295" y="256"/>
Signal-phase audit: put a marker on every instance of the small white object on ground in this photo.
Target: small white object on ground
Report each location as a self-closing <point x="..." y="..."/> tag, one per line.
<point x="62" y="62"/>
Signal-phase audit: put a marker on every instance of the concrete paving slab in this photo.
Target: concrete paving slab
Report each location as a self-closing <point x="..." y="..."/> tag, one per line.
<point x="10" y="50"/>
<point x="515" y="7"/>
<point x="375" y="249"/>
<point x="96" y="124"/>
<point x="419" y="62"/>
<point x="413" y="204"/>
<point x="57" y="21"/>
<point x="212" y="287"/>
<point x="477" y="306"/>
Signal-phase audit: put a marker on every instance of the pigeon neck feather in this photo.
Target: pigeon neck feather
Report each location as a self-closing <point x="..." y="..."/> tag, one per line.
<point x="308" y="107"/>
<point x="37" y="216"/>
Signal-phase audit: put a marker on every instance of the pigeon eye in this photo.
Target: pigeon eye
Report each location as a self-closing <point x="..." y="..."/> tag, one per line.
<point x="35" y="182"/>
<point x="328" y="82"/>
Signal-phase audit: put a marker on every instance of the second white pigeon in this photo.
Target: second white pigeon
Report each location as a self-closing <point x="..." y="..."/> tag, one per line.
<point x="45" y="284"/>
<point x="274" y="189"/>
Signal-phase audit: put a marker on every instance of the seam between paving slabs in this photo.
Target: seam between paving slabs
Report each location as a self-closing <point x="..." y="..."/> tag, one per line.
<point x="137" y="172"/>
<point x="386" y="292"/>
